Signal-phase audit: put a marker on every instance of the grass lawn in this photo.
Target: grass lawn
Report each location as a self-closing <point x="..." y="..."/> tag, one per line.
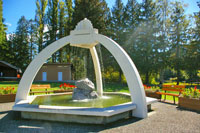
<point x="54" y="85"/>
<point x="108" y="87"/>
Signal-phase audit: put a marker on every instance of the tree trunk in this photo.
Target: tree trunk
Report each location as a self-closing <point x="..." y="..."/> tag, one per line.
<point x="161" y="76"/>
<point x="147" y="78"/>
<point x="120" y="75"/>
<point x="61" y="55"/>
<point x="178" y="76"/>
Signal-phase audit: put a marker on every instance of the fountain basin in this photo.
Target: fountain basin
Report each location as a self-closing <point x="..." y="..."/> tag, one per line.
<point x="92" y="115"/>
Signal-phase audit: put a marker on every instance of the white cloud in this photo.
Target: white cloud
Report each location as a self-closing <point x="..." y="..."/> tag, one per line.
<point x="8" y="24"/>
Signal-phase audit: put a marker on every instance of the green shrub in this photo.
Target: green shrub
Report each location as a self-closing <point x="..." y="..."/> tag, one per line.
<point x="191" y="93"/>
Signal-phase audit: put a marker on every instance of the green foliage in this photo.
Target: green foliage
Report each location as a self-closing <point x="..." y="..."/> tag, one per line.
<point x="117" y="27"/>
<point x="178" y="36"/>
<point x="61" y="28"/>
<point x="79" y="71"/>
<point x="3" y="41"/>
<point x="21" y="44"/>
<point x="95" y="10"/>
<point x="40" y="13"/>
<point x="191" y="93"/>
<point x="158" y="36"/>
<point x="32" y="31"/>
<point x="151" y="88"/>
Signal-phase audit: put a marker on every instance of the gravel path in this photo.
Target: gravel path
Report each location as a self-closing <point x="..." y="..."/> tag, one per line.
<point x="165" y="118"/>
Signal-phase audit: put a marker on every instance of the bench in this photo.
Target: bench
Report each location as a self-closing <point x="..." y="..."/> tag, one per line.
<point x="172" y="88"/>
<point x="40" y="89"/>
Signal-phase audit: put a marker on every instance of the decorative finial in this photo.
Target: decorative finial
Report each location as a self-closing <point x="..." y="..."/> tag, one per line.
<point x="82" y="35"/>
<point x="85" y="24"/>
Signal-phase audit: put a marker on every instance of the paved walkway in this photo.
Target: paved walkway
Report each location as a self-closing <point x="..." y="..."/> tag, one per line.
<point x="165" y="118"/>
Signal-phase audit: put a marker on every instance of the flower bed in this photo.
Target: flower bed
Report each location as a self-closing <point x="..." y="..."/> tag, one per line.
<point x="7" y="98"/>
<point x="7" y="94"/>
<point x="151" y="92"/>
<point x="190" y="99"/>
<point x="189" y="103"/>
<point x="65" y="87"/>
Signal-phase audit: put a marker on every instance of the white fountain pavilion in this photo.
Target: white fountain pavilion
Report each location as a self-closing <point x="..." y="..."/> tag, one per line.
<point x="84" y="36"/>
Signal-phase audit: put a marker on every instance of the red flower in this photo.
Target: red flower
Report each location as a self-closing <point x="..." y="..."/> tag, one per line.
<point x="13" y="88"/>
<point x="61" y="85"/>
<point x="73" y="86"/>
<point x="195" y="88"/>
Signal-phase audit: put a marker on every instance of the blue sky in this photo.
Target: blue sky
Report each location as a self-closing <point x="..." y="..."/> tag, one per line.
<point x="14" y="9"/>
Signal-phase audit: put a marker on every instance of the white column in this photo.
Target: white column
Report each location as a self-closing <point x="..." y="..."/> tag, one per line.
<point x="97" y="69"/>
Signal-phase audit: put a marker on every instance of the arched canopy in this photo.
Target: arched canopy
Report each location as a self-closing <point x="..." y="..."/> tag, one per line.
<point x="132" y="76"/>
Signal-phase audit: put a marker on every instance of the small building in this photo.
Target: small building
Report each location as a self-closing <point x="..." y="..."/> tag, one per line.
<point x="9" y="72"/>
<point x="54" y="72"/>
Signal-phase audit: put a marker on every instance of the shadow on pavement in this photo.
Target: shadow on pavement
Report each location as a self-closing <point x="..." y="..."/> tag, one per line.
<point x="12" y="122"/>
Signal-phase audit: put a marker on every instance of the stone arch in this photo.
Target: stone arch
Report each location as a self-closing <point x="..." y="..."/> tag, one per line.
<point x="35" y="65"/>
<point x="131" y="73"/>
<point x="89" y="39"/>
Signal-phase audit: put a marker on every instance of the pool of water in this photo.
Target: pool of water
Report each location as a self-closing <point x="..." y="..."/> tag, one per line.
<point x="66" y="100"/>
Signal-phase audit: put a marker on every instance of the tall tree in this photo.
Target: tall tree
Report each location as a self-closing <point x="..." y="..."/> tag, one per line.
<point x="68" y="27"/>
<point x="94" y="10"/>
<point x="132" y="12"/>
<point x="40" y="13"/>
<point x="21" y="44"/>
<point x="52" y="15"/>
<point x="192" y="56"/>
<point x="32" y="30"/>
<point x="61" y="27"/>
<point x="3" y="41"/>
<point x="162" y="54"/>
<point x="145" y="46"/>
<point x="69" y="10"/>
<point x="178" y="36"/>
<point x="118" y="26"/>
<point x="97" y="12"/>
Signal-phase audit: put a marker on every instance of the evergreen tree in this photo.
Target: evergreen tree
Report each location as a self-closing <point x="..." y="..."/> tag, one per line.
<point x="68" y="27"/>
<point x="132" y="13"/>
<point x="52" y="15"/>
<point x="61" y="27"/>
<point x="94" y="10"/>
<point x="3" y="41"/>
<point x="32" y="31"/>
<point x="145" y="46"/>
<point x="118" y="27"/>
<point x="178" y="36"/>
<point x="192" y="55"/>
<point x="69" y="10"/>
<point x="21" y="44"/>
<point x="162" y="44"/>
<point x="40" y="13"/>
<point x="97" y="12"/>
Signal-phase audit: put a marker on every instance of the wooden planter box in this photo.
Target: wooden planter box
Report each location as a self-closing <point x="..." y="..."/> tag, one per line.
<point x="152" y="94"/>
<point x="7" y="98"/>
<point x="189" y="103"/>
<point x="62" y="91"/>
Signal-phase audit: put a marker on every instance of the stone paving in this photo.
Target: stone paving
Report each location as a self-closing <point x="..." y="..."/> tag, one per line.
<point x="165" y="118"/>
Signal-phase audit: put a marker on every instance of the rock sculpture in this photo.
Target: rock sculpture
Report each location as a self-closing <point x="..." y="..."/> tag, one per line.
<point x="84" y="90"/>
